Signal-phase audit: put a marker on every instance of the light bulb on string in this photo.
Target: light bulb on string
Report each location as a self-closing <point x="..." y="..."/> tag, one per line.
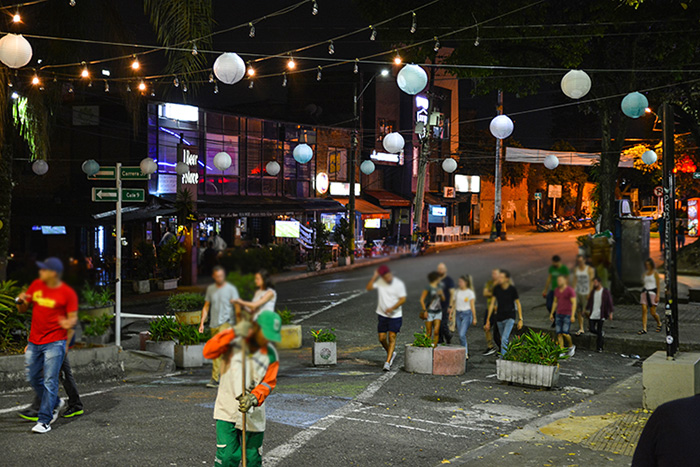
<point x="194" y="49"/>
<point x="413" y="22"/>
<point x="35" y="80"/>
<point x="106" y="86"/>
<point x="142" y="86"/>
<point x="397" y="58"/>
<point x="176" y="82"/>
<point x="211" y="77"/>
<point x="89" y="84"/>
<point x="216" y="88"/>
<point x="153" y="93"/>
<point x="128" y="87"/>
<point x="284" y="80"/>
<point x="314" y="8"/>
<point x="356" y="70"/>
<point x="71" y="2"/>
<point x="318" y="74"/>
<point x="184" y="87"/>
<point x="331" y="48"/>
<point x="373" y="36"/>
<point x="135" y="65"/>
<point x="251" y="33"/>
<point x="251" y="70"/>
<point x="250" y="86"/>
<point x="476" y="42"/>
<point x="291" y="64"/>
<point x="436" y="47"/>
<point x="16" y="18"/>
<point x="85" y="73"/>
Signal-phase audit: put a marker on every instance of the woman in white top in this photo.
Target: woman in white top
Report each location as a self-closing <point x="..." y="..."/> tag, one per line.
<point x="265" y="297"/>
<point x="583" y="281"/>
<point x="463" y="304"/>
<point x="649" y="298"/>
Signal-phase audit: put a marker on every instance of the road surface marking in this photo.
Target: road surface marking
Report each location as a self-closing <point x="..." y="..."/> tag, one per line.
<point x="328" y="307"/>
<point x="24" y="406"/>
<point x="414" y="428"/>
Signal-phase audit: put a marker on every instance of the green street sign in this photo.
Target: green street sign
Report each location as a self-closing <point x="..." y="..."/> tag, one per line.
<point x="696" y="175"/>
<point x="538" y="195"/>
<point x="128" y="173"/>
<point x="133" y="195"/>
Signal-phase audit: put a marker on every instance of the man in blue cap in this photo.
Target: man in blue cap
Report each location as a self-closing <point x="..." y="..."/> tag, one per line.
<point x="55" y="312"/>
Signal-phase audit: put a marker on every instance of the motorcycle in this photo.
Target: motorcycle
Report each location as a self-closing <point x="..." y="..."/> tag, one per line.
<point x="563" y="224"/>
<point x="545" y="225"/>
<point x="575" y="222"/>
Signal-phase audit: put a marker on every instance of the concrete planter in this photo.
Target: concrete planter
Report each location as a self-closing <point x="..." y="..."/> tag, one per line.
<point x="142" y="286"/>
<point x="189" y="317"/>
<point x="527" y="373"/>
<point x="96" y="340"/>
<point x="419" y="360"/>
<point x="167" y="284"/>
<point x="449" y="360"/>
<point x="98" y="311"/>
<point x="189" y="356"/>
<point x="343" y="260"/>
<point x="325" y="353"/>
<point x="291" y="336"/>
<point x="164" y="348"/>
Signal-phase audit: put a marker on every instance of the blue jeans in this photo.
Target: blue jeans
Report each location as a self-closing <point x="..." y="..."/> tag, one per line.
<point x="504" y="328"/>
<point x="43" y="364"/>
<point x="464" y="319"/>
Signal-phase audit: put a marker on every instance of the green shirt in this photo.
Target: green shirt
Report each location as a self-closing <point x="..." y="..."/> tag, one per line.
<point x="555" y="272"/>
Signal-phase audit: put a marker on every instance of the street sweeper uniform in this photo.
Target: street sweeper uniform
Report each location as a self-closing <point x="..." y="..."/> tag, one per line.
<point x="261" y="367"/>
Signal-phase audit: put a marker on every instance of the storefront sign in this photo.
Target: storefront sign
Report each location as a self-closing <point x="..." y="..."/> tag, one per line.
<point x="467" y="183"/>
<point x="190" y="157"/>
<point x="385" y="157"/>
<point x="448" y="192"/>
<point x="322" y="183"/>
<point x="343" y="189"/>
<point x="438" y="211"/>
<point x="373" y="223"/>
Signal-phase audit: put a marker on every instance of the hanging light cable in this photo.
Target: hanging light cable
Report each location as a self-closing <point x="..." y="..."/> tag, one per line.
<point x="251" y="33"/>
<point x="331" y="48"/>
<point x="413" y="22"/>
<point x="318" y="74"/>
<point x="314" y="8"/>
<point x="106" y="86"/>
<point x="211" y="77"/>
<point x="194" y="49"/>
<point x="284" y="79"/>
<point x="176" y="82"/>
<point x="436" y="47"/>
<point x="356" y="69"/>
<point x="372" y="36"/>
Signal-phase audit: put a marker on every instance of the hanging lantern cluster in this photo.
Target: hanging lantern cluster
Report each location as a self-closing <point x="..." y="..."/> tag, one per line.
<point x="303" y="153"/>
<point x="501" y="127"/>
<point x="449" y="165"/>
<point x="367" y="167"/>
<point x="272" y="168"/>
<point x="148" y="166"/>
<point x="222" y="161"/>
<point x="40" y="167"/>
<point x="15" y="50"/>
<point x="551" y="162"/>
<point x="634" y="105"/>
<point x="229" y="68"/>
<point x="90" y="167"/>
<point x="649" y="157"/>
<point x="576" y="84"/>
<point x="393" y="142"/>
<point x="412" y="79"/>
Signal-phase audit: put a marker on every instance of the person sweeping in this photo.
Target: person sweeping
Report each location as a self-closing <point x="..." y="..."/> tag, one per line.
<point x="248" y="375"/>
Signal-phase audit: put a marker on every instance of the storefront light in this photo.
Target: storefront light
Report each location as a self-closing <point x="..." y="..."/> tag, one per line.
<point x="183" y="113"/>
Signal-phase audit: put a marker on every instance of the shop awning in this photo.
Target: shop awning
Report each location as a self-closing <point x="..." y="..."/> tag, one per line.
<point x="434" y="199"/>
<point x="387" y="199"/>
<point x="249" y="206"/>
<point x="366" y="209"/>
<point x="321" y="205"/>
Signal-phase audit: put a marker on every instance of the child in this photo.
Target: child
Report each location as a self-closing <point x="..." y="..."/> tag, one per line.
<point x="432" y="308"/>
<point x="262" y="364"/>
<point x="463" y="304"/>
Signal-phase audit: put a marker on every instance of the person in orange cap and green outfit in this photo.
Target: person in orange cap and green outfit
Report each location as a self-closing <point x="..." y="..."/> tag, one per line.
<point x="261" y="367"/>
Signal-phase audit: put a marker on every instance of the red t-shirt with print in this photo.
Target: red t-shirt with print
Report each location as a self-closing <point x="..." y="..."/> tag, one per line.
<point x="50" y="304"/>
<point x="564" y="297"/>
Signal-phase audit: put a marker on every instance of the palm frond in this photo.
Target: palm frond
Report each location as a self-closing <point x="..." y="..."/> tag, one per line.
<point x="30" y="117"/>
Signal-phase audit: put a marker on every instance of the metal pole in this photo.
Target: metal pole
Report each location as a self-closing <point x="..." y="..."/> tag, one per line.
<point x="244" y="457"/>
<point x="351" y="179"/>
<point x="497" y="173"/>
<point x="669" y="213"/>
<point x="118" y="268"/>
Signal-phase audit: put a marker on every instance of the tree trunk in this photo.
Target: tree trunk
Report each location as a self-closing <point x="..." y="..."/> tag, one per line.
<point x="5" y="205"/>
<point x="611" y="146"/>
<point x="420" y="184"/>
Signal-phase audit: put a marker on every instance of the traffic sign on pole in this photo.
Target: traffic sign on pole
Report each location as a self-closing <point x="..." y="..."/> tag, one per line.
<point x="109" y="194"/>
<point x="659" y="191"/>
<point x="696" y="175"/>
<point x="127" y="173"/>
<point x="105" y="173"/>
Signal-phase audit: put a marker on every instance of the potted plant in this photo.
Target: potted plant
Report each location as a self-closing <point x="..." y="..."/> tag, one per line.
<point x="419" y="355"/>
<point x="96" y="328"/>
<point x="163" y="332"/>
<point x="145" y="265"/>
<point x="531" y="359"/>
<point x="97" y="301"/>
<point x="189" y="347"/>
<point x="321" y="253"/>
<point x="291" y="333"/>
<point x="343" y="236"/>
<point x="325" y="351"/>
<point x="168" y="259"/>
<point x="187" y="307"/>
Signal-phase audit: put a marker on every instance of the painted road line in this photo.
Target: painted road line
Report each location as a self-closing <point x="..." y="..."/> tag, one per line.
<point x="395" y="425"/>
<point x="430" y="422"/>
<point x="328" y="307"/>
<point x="24" y="406"/>
<point x="278" y="454"/>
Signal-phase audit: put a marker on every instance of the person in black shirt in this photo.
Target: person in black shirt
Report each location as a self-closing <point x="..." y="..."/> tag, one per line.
<point x="506" y="302"/>
<point x="448" y="315"/>
<point x="670" y="436"/>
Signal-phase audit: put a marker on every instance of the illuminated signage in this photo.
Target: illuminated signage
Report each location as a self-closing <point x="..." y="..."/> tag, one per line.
<point x="373" y="223"/>
<point x="322" y="183"/>
<point x="387" y="157"/>
<point x="343" y="189"/>
<point x="287" y="229"/>
<point x="183" y="113"/>
<point x="191" y="159"/>
<point x="467" y="183"/>
<point x="438" y="211"/>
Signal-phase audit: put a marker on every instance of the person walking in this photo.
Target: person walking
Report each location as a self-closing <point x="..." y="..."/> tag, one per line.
<point x="463" y="303"/>
<point x="391" y="295"/>
<point x="493" y="338"/>
<point x="649" y="297"/>
<point x="680" y="234"/>
<point x="448" y="289"/>
<point x="599" y="308"/>
<point x="556" y="269"/>
<point x="562" y="314"/>
<point x="265" y="297"/>
<point x="222" y="311"/>
<point x="499" y="225"/>
<point x="259" y="368"/>
<point x="432" y="309"/>
<point x="582" y="283"/>
<point x="55" y="311"/>
<point x="505" y="303"/>
<point x="218" y="243"/>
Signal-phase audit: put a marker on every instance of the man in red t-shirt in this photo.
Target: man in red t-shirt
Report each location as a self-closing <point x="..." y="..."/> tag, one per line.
<point x="55" y="311"/>
<point x="563" y="305"/>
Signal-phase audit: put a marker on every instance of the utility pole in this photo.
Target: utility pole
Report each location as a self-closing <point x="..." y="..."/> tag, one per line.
<point x="669" y="213"/>
<point x="118" y="265"/>
<point x="351" y="176"/>
<point x="497" y="173"/>
<point x="423" y="160"/>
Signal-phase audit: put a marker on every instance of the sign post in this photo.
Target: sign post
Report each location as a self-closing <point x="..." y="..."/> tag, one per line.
<point x="538" y="198"/>
<point x="669" y="219"/>
<point x="554" y="192"/>
<point x="118" y="265"/>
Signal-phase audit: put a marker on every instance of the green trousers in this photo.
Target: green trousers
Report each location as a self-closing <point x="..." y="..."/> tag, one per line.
<point x="228" y="445"/>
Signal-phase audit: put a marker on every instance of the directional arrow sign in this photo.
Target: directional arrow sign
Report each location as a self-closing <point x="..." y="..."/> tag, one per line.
<point x="128" y="173"/>
<point x="110" y="194"/>
<point x="696" y="175"/>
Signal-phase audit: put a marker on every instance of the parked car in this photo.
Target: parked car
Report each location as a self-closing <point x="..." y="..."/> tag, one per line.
<point x="649" y="211"/>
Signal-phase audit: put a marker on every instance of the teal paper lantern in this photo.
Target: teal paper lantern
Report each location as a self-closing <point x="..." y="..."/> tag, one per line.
<point x="303" y="153"/>
<point x="90" y="167"/>
<point x="412" y="79"/>
<point x="634" y="105"/>
<point x="367" y="167"/>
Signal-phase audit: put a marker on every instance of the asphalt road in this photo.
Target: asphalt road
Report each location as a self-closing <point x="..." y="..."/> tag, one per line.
<point x="352" y="414"/>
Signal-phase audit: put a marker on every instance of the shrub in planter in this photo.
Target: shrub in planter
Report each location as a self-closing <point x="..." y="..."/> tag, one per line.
<point x="96" y="328"/>
<point x="189" y="347"/>
<point x="324" y="351"/>
<point x="343" y="237"/>
<point x="97" y="301"/>
<point x="291" y="333"/>
<point x="419" y="355"/>
<point x="145" y="267"/>
<point x="531" y="359"/>
<point x="168" y="259"/>
<point x="186" y="306"/>
<point x="282" y="257"/>
<point x="163" y="332"/>
<point x="14" y="326"/>
<point x="245" y="283"/>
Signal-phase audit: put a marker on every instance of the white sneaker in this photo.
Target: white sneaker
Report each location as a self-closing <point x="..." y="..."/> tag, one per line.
<point x="41" y="428"/>
<point x="393" y="357"/>
<point x="387" y="366"/>
<point x="572" y="351"/>
<point x="57" y="410"/>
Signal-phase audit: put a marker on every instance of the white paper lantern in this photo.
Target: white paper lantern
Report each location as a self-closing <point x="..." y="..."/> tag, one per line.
<point x="90" y="167"/>
<point x="551" y="162"/>
<point x="634" y="105"/>
<point x="272" y="168"/>
<point x="15" y="50"/>
<point x="449" y="165"/>
<point x="222" y="161"/>
<point x="182" y="168"/>
<point x="229" y="68"/>
<point x="40" y="167"/>
<point x="576" y="84"/>
<point x="501" y="127"/>
<point x="412" y="79"/>
<point x="367" y="167"/>
<point x="649" y="157"/>
<point x="393" y="142"/>
<point x="148" y="166"/>
<point x="303" y="153"/>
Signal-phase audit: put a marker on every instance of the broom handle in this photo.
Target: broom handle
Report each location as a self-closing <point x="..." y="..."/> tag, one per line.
<point x="243" y="441"/>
